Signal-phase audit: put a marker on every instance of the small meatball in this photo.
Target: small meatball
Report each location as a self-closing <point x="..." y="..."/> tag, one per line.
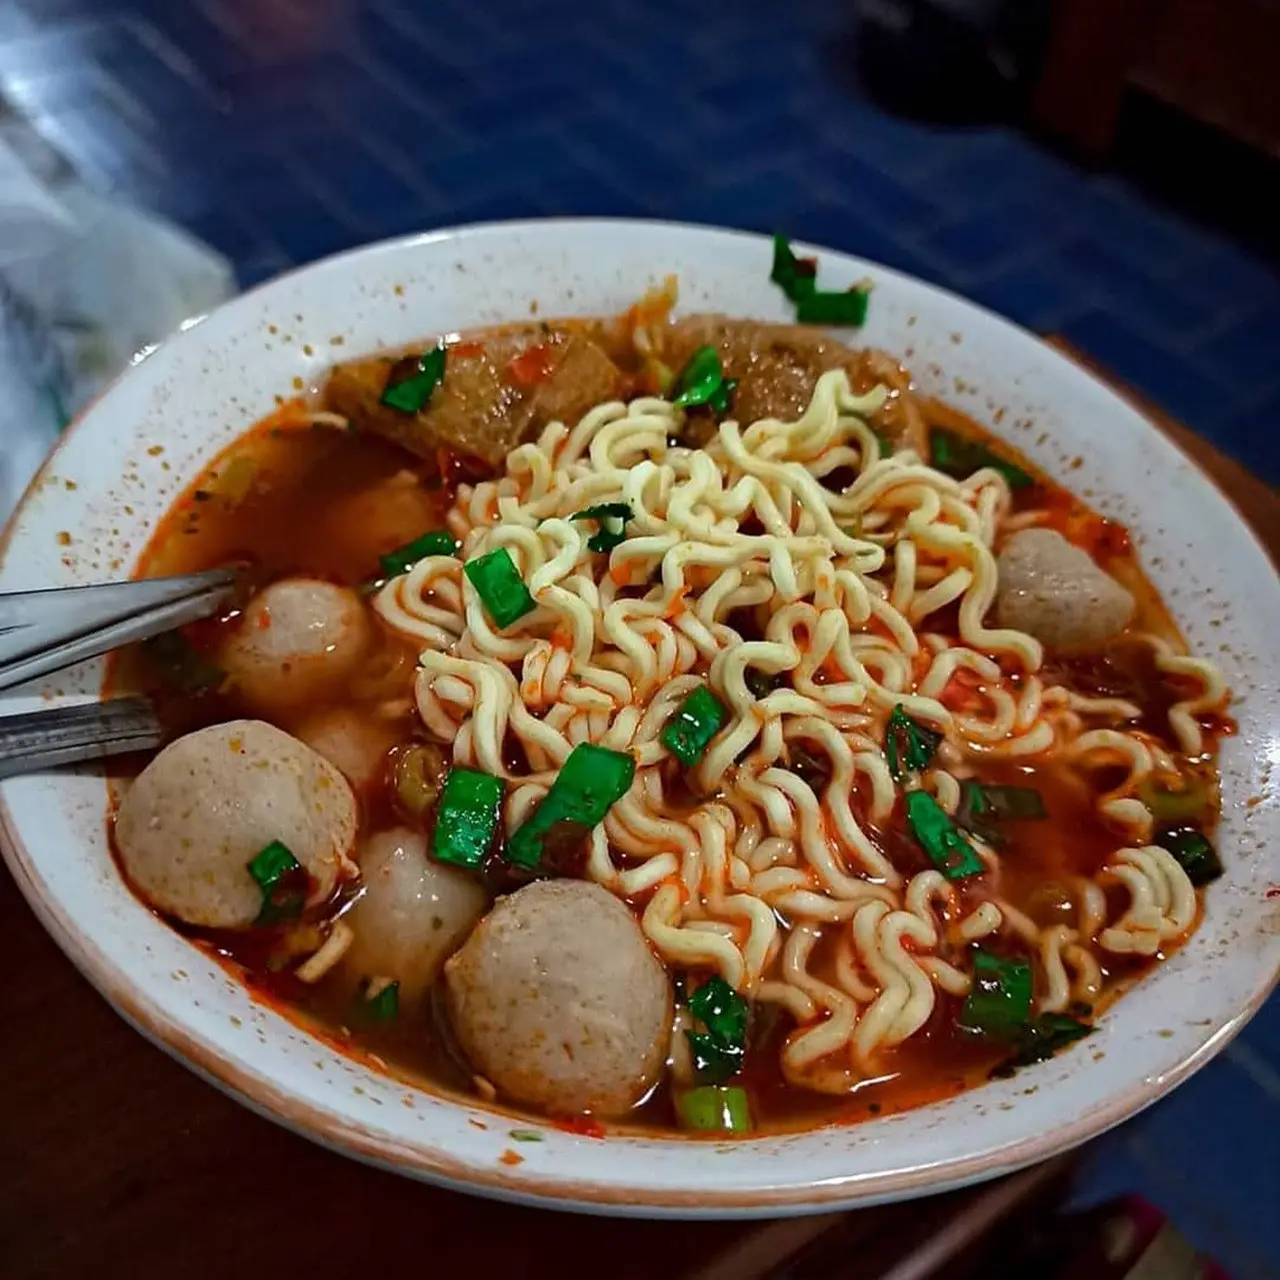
<point x="385" y="515"/>
<point x="357" y="744"/>
<point x="557" y="1000"/>
<point x="412" y="915"/>
<point x="209" y="803"/>
<point x="1053" y="590"/>
<point x="299" y="639"/>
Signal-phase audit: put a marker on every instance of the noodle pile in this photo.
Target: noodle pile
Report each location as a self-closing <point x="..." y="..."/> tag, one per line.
<point x="749" y="880"/>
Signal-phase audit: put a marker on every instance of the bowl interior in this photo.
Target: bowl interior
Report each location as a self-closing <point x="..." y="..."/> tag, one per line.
<point x="90" y="512"/>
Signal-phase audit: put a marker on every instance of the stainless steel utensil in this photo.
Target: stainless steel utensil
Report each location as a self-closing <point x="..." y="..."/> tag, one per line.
<point x="44" y="631"/>
<point x="54" y="736"/>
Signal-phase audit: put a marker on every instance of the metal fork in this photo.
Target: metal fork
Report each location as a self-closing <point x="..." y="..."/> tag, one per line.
<point x="44" y="631"/>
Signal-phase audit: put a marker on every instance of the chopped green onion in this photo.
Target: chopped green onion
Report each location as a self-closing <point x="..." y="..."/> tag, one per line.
<point x="588" y="784"/>
<point x="500" y="587"/>
<point x="524" y="1135"/>
<point x="825" y="307"/>
<point x="999" y="1002"/>
<point x="702" y="382"/>
<point x="695" y="722"/>
<point x="699" y="380"/>
<point x="721" y="1010"/>
<point x="412" y="381"/>
<point x="283" y="881"/>
<point x="402" y="559"/>
<point x="723" y="397"/>
<point x="908" y="744"/>
<point x="466" y="817"/>
<point x="612" y="518"/>
<point x="1193" y="853"/>
<point x="1042" y="1038"/>
<point x="714" y="1109"/>
<point x="718" y="1052"/>
<point x="796" y="277"/>
<point x="714" y="1061"/>
<point x="384" y="1007"/>
<point x="1175" y="806"/>
<point x="181" y="665"/>
<point x="760" y="684"/>
<point x="983" y="803"/>
<point x="960" y="457"/>
<point x="940" y="838"/>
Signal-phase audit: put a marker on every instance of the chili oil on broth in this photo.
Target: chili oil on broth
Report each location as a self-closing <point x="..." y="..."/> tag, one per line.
<point x="297" y="496"/>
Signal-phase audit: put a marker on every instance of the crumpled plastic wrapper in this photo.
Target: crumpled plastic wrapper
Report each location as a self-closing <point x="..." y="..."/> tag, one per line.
<point x="86" y="282"/>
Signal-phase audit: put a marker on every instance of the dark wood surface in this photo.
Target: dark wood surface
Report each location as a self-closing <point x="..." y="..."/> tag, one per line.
<point x="116" y="1161"/>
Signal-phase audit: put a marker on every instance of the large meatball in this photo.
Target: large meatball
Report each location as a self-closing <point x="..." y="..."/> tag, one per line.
<point x="558" y="1001"/>
<point x="1053" y="590"/>
<point x="299" y="640"/>
<point x="199" y="813"/>
<point x="412" y="914"/>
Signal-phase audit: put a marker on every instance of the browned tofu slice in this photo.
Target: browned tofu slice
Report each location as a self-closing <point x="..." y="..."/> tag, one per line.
<point x="482" y="409"/>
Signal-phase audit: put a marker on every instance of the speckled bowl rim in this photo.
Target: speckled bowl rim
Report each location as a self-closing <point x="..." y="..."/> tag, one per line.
<point x="264" y="1096"/>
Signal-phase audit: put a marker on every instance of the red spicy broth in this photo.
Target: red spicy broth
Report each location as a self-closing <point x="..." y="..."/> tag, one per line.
<point x="292" y="498"/>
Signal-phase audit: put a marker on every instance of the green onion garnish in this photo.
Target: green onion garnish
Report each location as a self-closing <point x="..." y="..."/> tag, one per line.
<point x="384" y="1007"/>
<point x="181" y="664"/>
<point x="695" y="722"/>
<point x="702" y="382"/>
<point x="940" y="838"/>
<point x="825" y="307"/>
<point x="908" y="744"/>
<point x="796" y="277"/>
<point x="984" y="804"/>
<point x="466" y="818"/>
<point x="957" y="456"/>
<point x="721" y="1010"/>
<point x="718" y="1051"/>
<point x="524" y="1135"/>
<point x="760" y="684"/>
<point x="1041" y="1039"/>
<point x="500" y="587"/>
<point x="713" y="1061"/>
<point x="411" y="382"/>
<point x="588" y="784"/>
<point x="1175" y="806"/>
<point x="612" y="518"/>
<point x="284" y="883"/>
<point x="1193" y="853"/>
<point x="999" y="1002"/>
<point x="714" y="1108"/>
<point x="402" y="559"/>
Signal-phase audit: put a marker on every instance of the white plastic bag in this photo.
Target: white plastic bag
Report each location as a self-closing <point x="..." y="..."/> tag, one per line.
<point x="85" y="283"/>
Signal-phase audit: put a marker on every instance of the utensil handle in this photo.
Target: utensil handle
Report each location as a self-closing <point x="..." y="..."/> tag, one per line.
<point x="54" y="736"/>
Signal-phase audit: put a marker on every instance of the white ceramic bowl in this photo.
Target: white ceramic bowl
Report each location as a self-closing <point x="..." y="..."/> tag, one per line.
<point x="91" y="510"/>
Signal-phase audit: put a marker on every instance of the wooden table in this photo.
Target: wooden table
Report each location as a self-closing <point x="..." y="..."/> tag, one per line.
<point x="116" y="1161"/>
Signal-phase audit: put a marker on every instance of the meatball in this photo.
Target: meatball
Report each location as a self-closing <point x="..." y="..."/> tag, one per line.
<point x="357" y="744"/>
<point x="199" y="813"/>
<point x="1053" y="590"/>
<point x="558" y="1001"/>
<point x="299" y="640"/>
<point x="412" y="915"/>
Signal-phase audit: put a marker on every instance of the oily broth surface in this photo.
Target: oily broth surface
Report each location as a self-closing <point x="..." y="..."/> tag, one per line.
<point x="327" y="503"/>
